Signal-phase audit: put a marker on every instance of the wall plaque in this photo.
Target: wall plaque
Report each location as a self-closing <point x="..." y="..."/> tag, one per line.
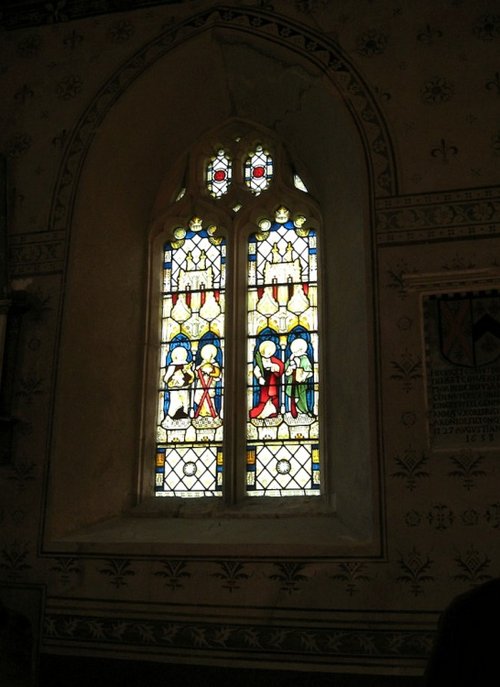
<point x="463" y="369"/>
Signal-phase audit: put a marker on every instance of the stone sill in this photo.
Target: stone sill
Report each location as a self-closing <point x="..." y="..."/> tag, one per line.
<point x="304" y="536"/>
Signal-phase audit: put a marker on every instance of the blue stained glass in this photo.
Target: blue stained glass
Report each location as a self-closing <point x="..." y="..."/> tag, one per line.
<point x="189" y="458"/>
<point x="282" y="362"/>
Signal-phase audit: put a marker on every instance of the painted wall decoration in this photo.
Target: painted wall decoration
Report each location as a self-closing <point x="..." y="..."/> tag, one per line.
<point x="436" y="213"/>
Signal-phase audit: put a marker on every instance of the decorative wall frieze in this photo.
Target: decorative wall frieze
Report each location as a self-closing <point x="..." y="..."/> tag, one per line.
<point x="456" y="280"/>
<point x="39" y="12"/>
<point x="441" y="517"/>
<point x="37" y="252"/>
<point x="346" y="642"/>
<point x="425" y="217"/>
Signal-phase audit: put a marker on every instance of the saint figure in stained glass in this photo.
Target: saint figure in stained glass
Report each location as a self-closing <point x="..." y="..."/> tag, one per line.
<point x="208" y="386"/>
<point x="299" y="389"/>
<point x="189" y="456"/>
<point x="268" y="371"/>
<point x="283" y="423"/>
<point x="178" y="379"/>
<point x="282" y="360"/>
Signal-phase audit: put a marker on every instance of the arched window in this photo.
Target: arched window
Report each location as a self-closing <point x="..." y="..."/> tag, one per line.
<point x="106" y="401"/>
<point x="189" y="454"/>
<point x="282" y="331"/>
<point x="248" y="222"/>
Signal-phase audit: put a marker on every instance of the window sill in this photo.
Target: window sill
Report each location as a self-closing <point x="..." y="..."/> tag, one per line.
<point x="246" y="532"/>
<point x="250" y="507"/>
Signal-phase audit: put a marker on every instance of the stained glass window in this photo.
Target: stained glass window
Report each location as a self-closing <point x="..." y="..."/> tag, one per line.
<point x="279" y="419"/>
<point x="258" y="170"/>
<point x="189" y="456"/>
<point x="219" y="173"/>
<point x="282" y="362"/>
<point x="298" y="183"/>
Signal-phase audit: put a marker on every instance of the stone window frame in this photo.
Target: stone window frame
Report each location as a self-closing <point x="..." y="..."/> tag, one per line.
<point x="112" y="517"/>
<point x="190" y="197"/>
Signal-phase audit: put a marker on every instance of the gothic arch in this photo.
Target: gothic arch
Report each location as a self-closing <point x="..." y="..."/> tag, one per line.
<point x="123" y="147"/>
<point x="310" y="44"/>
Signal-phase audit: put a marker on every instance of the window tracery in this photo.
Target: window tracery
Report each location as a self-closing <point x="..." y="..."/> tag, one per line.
<point x="279" y="297"/>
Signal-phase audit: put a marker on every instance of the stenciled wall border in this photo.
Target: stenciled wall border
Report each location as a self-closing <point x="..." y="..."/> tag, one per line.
<point x="399" y="220"/>
<point x="448" y="215"/>
<point x="380" y="643"/>
<point x="36" y="252"/>
<point x="40" y="12"/>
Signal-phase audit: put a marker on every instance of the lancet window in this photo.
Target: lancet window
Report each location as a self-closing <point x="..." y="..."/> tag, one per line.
<point x="282" y="330"/>
<point x="277" y="303"/>
<point x="189" y="453"/>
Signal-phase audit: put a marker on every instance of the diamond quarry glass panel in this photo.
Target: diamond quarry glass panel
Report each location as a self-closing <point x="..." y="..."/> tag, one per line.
<point x="258" y="170"/>
<point x="219" y="174"/>
<point x="189" y="459"/>
<point x="282" y="360"/>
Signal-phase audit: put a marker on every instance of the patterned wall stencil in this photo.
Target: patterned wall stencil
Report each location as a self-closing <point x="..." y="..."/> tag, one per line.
<point x="438" y="216"/>
<point x="16" y="15"/>
<point x="338" y="643"/>
<point x="40" y="252"/>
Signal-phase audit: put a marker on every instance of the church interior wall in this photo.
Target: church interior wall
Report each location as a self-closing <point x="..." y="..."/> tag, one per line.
<point x="391" y="110"/>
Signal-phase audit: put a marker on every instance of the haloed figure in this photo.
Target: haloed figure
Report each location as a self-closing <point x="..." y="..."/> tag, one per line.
<point x="178" y="379"/>
<point x="298" y="372"/>
<point x="207" y="374"/>
<point x="268" y="371"/>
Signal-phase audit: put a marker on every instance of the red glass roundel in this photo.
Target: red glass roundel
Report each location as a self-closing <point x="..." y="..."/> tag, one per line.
<point x="258" y="172"/>
<point x="219" y="175"/>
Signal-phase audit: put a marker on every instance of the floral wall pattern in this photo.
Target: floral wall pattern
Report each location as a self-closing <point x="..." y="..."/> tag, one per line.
<point x="429" y="102"/>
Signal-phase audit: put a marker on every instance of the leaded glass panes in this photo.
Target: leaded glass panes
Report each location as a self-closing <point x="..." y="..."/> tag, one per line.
<point x="298" y="183"/>
<point x="281" y="416"/>
<point x="282" y="362"/>
<point x="219" y="173"/>
<point x="258" y="170"/>
<point x="189" y="459"/>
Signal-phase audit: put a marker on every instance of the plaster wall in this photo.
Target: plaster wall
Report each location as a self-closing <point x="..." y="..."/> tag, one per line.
<point x="403" y="109"/>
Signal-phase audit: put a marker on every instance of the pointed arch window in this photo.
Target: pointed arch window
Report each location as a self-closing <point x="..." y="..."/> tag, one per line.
<point x="282" y="339"/>
<point x="272" y="323"/>
<point x="189" y="455"/>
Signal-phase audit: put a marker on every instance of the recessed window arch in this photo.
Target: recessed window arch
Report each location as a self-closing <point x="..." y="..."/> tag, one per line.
<point x="239" y="222"/>
<point x="335" y="163"/>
